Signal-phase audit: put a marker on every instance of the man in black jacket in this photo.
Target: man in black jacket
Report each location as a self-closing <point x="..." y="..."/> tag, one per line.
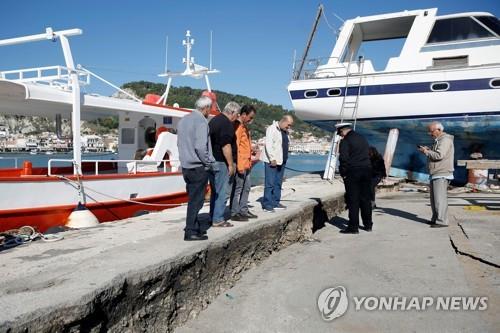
<point x="355" y="169"/>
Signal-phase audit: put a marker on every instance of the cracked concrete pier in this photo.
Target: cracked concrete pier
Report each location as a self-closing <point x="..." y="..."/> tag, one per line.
<point x="402" y="257"/>
<point x="139" y="275"/>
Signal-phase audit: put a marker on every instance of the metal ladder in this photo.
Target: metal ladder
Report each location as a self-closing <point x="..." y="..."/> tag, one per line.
<point x="349" y="102"/>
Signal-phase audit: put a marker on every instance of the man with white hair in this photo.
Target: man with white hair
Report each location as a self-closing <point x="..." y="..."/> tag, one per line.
<point x="222" y="136"/>
<point x="275" y="157"/>
<point x="440" y="165"/>
<point x="195" y="155"/>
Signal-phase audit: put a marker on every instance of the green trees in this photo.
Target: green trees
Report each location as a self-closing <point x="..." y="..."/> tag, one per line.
<point x="266" y="113"/>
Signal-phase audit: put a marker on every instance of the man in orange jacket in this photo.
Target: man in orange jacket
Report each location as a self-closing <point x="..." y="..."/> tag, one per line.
<point x="241" y="190"/>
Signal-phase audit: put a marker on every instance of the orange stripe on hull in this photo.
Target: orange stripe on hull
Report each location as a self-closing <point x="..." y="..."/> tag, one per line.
<point x="47" y="217"/>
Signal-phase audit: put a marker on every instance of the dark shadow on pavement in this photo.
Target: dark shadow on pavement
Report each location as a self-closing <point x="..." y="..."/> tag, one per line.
<point x="320" y="217"/>
<point x="403" y="214"/>
<point x="339" y="222"/>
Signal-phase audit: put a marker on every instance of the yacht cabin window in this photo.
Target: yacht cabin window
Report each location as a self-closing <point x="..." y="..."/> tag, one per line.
<point x="457" y="29"/>
<point x="491" y="22"/>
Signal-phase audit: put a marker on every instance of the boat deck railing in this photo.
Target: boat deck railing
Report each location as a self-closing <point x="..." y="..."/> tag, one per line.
<point x="52" y="75"/>
<point x="324" y="67"/>
<point x="133" y="166"/>
<point x="15" y="159"/>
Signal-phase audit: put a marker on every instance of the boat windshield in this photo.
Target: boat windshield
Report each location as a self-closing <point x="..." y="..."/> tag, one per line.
<point x="458" y="29"/>
<point x="491" y="22"/>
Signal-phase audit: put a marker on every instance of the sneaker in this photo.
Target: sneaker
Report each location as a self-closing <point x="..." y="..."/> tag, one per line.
<point x="269" y="210"/>
<point x="280" y="206"/>
<point x="239" y="218"/>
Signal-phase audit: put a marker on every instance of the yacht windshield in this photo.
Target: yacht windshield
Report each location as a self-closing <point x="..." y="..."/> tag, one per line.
<point x="491" y="22"/>
<point x="457" y="29"/>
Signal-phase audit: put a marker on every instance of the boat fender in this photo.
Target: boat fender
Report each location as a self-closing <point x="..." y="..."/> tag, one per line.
<point x="27" y="168"/>
<point x="81" y="217"/>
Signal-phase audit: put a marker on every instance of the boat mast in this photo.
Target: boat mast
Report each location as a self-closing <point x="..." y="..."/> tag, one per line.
<point x="309" y="41"/>
<point x="76" y="98"/>
<point x="75" y="84"/>
<point x="192" y="69"/>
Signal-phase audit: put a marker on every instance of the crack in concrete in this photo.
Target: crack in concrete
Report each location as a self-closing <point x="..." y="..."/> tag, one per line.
<point x="455" y="247"/>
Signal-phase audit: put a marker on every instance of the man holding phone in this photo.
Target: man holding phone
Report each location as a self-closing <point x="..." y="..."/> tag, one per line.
<point x="440" y="164"/>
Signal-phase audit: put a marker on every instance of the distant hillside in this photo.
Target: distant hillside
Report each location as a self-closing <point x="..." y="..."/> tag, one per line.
<point x="266" y="113"/>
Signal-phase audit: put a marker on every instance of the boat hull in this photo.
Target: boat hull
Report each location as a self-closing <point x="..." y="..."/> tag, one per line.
<point x="469" y="110"/>
<point x="45" y="202"/>
<point x="403" y="95"/>
<point x="471" y="134"/>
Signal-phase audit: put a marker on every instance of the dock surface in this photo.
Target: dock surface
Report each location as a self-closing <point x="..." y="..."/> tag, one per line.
<point x="263" y="275"/>
<point x="401" y="257"/>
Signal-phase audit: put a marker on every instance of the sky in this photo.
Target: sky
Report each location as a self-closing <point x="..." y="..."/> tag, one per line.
<point x="253" y="41"/>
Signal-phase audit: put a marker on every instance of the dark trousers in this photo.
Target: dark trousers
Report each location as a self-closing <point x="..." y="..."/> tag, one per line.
<point x="375" y="181"/>
<point x="358" y="194"/>
<point x="196" y="182"/>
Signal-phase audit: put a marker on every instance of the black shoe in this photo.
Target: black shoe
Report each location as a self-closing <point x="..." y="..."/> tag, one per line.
<point x="365" y="228"/>
<point x="250" y="215"/>
<point x="437" y="225"/>
<point x="349" y="231"/>
<point x="280" y="207"/>
<point x="195" y="237"/>
<point x="239" y="218"/>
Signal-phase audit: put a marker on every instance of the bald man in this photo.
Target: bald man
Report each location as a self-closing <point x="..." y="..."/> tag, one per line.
<point x="275" y="157"/>
<point x="440" y="159"/>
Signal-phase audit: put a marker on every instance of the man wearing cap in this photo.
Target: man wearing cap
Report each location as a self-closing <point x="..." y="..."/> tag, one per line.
<point x="355" y="169"/>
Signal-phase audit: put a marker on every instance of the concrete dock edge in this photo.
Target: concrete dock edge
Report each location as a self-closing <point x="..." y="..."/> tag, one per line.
<point x="167" y="294"/>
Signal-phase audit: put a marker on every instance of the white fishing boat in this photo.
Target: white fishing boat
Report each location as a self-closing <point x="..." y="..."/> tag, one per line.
<point x="447" y="69"/>
<point x="110" y="189"/>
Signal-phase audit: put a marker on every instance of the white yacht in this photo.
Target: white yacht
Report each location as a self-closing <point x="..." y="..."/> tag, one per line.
<point x="448" y="69"/>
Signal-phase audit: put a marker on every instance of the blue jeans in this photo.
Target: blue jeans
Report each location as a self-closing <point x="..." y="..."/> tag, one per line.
<point x="218" y="185"/>
<point x="273" y="178"/>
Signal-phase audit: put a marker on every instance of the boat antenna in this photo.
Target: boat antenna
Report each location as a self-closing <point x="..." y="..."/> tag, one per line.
<point x="309" y="41"/>
<point x="166" y="54"/>
<point x="338" y="17"/>
<point x="211" y="36"/>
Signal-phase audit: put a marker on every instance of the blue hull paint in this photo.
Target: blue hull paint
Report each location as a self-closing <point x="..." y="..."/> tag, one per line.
<point x="471" y="134"/>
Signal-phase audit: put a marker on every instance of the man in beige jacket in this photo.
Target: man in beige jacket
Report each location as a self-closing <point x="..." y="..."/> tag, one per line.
<point x="275" y="157"/>
<point x="440" y="164"/>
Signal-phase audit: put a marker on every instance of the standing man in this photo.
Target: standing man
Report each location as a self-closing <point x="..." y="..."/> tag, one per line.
<point x="195" y="155"/>
<point x="355" y="168"/>
<point x="242" y="184"/>
<point x="224" y="150"/>
<point x="440" y="165"/>
<point x="274" y="158"/>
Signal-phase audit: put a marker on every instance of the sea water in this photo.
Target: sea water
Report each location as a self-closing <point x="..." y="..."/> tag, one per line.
<point x="296" y="164"/>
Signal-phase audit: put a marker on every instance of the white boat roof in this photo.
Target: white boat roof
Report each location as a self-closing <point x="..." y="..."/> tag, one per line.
<point x="28" y="99"/>
<point x="430" y="11"/>
<point x="465" y="15"/>
<point x="382" y="26"/>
